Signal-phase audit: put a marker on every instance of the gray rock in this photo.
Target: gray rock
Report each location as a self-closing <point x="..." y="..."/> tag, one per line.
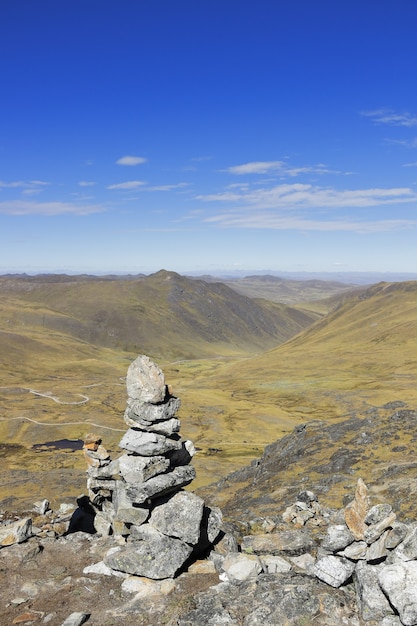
<point x="372" y="603"/>
<point x="337" y="538"/>
<point x="377" y="513"/>
<point x="407" y="549"/>
<point x="108" y="471"/>
<point x="179" y="516"/>
<point x="15" y="532"/>
<point x="148" y="444"/>
<point x="164" y="427"/>
<point x="145" y="381"/>
<point x="372" y="533"/>
<point x="159" y="485"/>
<point x="378" y="550"/>
<point x="41" y="507"/>
<point x="238" y="567"/>
<point x="138" y="469"/>
<point x="293" y="542"/>
<point x="399" y="583"/>
<point x="396" y="535"/>
<point x="151" y="554"/>
<point x="76" y="619"/>
<point x="274" y="564"/>
<point x="333" y="570"/>
<point x="148" y="412"/>
<point x="125" y="510"/>
<point x="214" y="518"/>
<point x="356" y="551"/>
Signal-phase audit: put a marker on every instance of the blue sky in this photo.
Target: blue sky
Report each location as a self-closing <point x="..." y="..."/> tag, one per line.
<point x="206" y="135"/>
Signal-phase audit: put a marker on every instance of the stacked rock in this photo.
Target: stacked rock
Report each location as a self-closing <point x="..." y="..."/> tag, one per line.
<point x="139" y="495"/>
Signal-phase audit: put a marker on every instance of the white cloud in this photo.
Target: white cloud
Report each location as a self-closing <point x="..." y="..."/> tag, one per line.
<point x="167" y="187"/>
<point x="309" y="196"/>
<point x="256" y="167"/>
<point x="129" y="184"/>
<point x="30" y="186"/>
<point x="281" y="168"/>
<point x="387" y="116"/>
<point x="410" y="164"/>
<point x="131" y="160"/>
<point x="86" y="183"/>
<point x="27" y="207"/>
<point x="269" y="220"/>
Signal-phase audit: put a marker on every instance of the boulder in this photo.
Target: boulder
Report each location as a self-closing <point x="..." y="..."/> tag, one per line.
<point x="399" y="583"/>
<point x="179" y="516"/>
<point x="15" y="532"/>
<point x="372" y="603"/>
<point x="159" y="485"/>
<point x="150" y="554"/>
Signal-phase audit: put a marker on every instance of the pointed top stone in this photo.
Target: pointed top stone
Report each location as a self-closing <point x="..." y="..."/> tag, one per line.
<point x="145" y="381"/>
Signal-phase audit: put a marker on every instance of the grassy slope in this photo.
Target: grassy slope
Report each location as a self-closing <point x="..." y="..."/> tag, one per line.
<point x="362" y="354"/>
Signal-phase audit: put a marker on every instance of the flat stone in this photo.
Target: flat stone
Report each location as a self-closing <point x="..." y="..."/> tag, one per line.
<point x="163" y="427"/>
<point x="356" y="551"/>
<point x="101" y="569"/>
<point x="148" y="412"/>
<point x="148" y="444"/>
<point x="145" y="381"/>
<point x="293" y="542"/>
<point x="146" y="588"/>
<point x="139" y="469"/>
<point x="377" y="513"/>
<point x="161" y="484"/>
<point x="373" y="532"/>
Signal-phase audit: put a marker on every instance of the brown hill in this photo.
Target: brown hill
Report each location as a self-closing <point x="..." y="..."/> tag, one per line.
<point x="165" y="314"/>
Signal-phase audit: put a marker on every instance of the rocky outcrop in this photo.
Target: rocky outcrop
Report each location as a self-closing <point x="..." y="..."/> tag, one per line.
<point x="139" y="497"/>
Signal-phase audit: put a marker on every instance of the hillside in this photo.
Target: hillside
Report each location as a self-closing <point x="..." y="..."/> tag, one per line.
<point x="350" y="363"/>
<point x="165" y="314"/>
<point x="288" y="291"/>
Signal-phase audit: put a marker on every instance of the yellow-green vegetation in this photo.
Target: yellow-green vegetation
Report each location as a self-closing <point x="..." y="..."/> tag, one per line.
<point x="55" y="385"/>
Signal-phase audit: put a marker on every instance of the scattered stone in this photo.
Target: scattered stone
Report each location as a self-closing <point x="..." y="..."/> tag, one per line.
<point x="15" y="532"/>
<point x="333" y="570"/>
<point x="290" y="542"/>
<point x="76" y="619"/>
<point x="238" y="567"/>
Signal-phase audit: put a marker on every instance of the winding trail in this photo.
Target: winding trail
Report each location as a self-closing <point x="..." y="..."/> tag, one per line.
<point x="29" y="419"/>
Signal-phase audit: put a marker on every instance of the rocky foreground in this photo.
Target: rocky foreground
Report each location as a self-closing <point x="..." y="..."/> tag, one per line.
<point x="141" y="549"/>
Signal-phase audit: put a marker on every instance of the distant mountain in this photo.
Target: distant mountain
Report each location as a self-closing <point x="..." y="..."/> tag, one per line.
<point x="164" y="314"/>
<point x="286" y="290"/>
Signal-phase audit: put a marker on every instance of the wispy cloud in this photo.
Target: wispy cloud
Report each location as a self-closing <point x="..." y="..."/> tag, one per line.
<point x="131" y="160"/>
<point x="279" y="167"/>
<point x="129" y="184"/>
<point x="26" y="207"/>
<point x="256" y="167"/>
<point x="269" y="220"/>
<point x="287" y="196"/>
<point x="387" y="116"/>
<point x="166" y="187"/>
<point x="410" y="164"/>
<point x="16" y="184"/>
<point x="86" y="183"/>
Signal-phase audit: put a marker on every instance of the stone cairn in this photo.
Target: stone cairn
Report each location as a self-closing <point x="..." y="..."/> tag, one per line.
<point x="139" y="498"/>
